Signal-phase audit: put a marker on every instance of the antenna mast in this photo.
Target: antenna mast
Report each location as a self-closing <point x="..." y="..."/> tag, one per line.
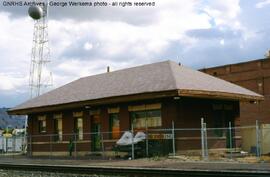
<point x="40" y="55"/>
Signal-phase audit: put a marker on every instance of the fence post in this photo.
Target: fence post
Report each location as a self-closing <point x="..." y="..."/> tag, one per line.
<point x="258" y="148"/>
<point x="22" y="139"/>
<point x="6" y="146"/>
<point x="30" y="141"/>
<point x="146" y="133"/>
<point x="173" y="138"/>
<point x="50" y="145"/>
<point x="102" y="144"/>
<point x="205" y="143"/>
<point x="15" y="143"/>
<point x="3" y="145"/>
<point x="75" y="145"/>
<point x="132" y="142"/>
<point x="147" y="153"/>
<point x="202" y="139"/>
<point x="13" y="146"/>
<point x="230" y="138"/>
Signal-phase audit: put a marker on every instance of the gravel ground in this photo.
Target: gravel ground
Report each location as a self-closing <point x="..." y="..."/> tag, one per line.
<point x="166" y="163"/>
<point x="16" y="173"/>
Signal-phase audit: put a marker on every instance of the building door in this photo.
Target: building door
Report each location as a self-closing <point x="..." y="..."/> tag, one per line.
<point x="223" y="114"/>
<point x="95" y="130"/>
<point x="58" y="129"/>
<point x="229" y="117"/>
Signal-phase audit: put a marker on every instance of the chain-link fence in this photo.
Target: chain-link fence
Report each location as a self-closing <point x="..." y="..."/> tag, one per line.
<point x="12" y="144"/>
<point x="204" y="143"/>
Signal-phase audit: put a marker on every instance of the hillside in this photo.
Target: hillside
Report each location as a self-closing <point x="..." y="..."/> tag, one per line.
<point x="10" y="120"/>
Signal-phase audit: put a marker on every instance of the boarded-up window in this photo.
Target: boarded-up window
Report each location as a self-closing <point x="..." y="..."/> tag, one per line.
<point x="114" y="125"/>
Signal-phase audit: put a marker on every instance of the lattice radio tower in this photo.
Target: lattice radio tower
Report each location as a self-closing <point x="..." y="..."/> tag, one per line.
<point x="39" y="77"/>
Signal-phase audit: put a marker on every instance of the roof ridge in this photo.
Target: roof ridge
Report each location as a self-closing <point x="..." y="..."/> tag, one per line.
<point x="124" y="69"/>
<point x="170" y="62"/>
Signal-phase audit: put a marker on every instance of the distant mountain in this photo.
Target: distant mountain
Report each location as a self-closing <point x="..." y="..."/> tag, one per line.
<point x="10" y="120"/>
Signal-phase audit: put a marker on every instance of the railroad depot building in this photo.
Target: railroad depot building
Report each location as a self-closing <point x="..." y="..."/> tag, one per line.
<point x="147" y="97"/>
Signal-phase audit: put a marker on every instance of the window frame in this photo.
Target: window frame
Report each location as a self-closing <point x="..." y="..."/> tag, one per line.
<point x="57" y="131"/>
<point x="112" y="134"/>
<point x="42" y="124"/>
<point x="79" y="134"/>
<point x="147" y="118"/>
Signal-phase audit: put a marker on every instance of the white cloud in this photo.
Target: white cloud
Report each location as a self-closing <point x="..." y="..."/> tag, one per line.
<point x="224" y="12"/>
<point x="15" y="36"/>
<point x="14" y="53"/>
<point x="143" y="41"/>
<point x="88" y="46"/>
<point x="83" y="42"/>
<point x="222" y="42"/>
<point x="9" y="81"/>
<point x="263" y="4"/>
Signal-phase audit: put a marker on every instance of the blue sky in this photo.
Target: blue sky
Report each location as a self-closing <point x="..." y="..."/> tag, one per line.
<point x="84" y="41"/>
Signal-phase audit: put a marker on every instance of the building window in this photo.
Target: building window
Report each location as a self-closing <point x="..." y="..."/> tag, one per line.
<point x="114" y="126"/>
<point x="42" y="124"/>
<point x="58" y="127"/>
<point x="79" y="128"/>
<point x="146" y="118"/>
<point x="78" y="124"/>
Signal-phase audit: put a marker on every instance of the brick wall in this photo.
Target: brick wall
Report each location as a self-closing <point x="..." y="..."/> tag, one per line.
<point x="253" y="75"/>
<point x="185" y="112"/>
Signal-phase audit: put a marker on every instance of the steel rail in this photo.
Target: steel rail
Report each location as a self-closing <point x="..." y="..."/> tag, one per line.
<point x="134" y="171"/>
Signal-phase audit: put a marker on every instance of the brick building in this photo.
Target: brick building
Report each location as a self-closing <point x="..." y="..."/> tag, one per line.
<point x="253" y="75"/>
<point x="149" y="96"/>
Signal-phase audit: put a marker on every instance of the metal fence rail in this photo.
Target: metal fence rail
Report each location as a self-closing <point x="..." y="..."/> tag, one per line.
<point x="202" y="143"/>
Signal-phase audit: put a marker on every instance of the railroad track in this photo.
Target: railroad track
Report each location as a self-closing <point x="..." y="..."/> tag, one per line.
<point x="133" y="172"/>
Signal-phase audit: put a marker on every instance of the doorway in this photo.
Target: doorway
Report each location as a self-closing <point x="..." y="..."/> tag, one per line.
<point x="222" y="118"/>
<point x="95" y="130"/>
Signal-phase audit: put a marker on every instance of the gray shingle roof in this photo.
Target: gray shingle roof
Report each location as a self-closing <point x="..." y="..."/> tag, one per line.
<point x="156" y="77"/>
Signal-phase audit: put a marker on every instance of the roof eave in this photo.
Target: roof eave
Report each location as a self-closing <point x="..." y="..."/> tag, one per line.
<point x="109" y="100"/>
<point x="136" y="97"/>
<point x="220" y="95"/>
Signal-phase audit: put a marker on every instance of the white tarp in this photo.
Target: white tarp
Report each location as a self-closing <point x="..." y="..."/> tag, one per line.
<point x="127" y="138"/>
